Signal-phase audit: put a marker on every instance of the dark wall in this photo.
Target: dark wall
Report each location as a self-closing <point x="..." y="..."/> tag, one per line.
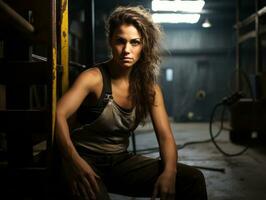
<point x="202" y="61"/>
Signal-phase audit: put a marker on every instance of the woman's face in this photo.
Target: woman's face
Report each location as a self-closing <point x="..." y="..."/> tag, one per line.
<point x="126" y="44"/>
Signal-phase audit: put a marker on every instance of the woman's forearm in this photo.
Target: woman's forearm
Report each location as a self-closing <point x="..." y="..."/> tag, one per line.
<point x="169" y="154"/>
<point x="63" y="140"/>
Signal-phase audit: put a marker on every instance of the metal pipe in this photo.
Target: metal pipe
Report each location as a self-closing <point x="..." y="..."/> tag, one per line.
<point x="27" y="27"/>
<point x="237" y="47"/>
<point x="90" y="29"/>
<point x="52" y="88"/>
<point x="257" y="40"/>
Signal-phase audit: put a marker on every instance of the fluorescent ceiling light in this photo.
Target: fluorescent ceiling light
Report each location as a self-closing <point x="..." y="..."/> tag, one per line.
<point x="175" y="18"/>
<point x="157" y="5"/>
<point x="178" y="5"/>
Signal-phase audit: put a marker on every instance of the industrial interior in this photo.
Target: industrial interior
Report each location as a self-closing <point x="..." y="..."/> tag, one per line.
<point x="212" y="75"/>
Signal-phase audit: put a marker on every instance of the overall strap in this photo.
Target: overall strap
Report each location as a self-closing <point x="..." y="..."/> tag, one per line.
<point x="107" y="88"/>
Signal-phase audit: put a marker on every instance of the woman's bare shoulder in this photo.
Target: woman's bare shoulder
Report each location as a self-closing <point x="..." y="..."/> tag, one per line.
<point x="91" y="76"/>
<point x="90" y="80"/>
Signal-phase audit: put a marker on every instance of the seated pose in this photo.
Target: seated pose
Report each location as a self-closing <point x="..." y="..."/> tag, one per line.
<point x="119" y="94"/>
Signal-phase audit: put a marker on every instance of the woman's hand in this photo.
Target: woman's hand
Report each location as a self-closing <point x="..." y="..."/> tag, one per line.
<point x="81" y="179"/>
<point x="165" y="186"/>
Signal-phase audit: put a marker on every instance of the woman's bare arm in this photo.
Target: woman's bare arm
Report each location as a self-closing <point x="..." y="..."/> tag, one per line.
<point x="166" y="182"/>
<point x="82" y="179"/>
<point x="69" y="103"/>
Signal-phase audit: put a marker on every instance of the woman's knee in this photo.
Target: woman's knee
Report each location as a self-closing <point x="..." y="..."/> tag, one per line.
<point x="188" y="177"/>
<point x="190" y="183"/>
<point x="199" y="176"/>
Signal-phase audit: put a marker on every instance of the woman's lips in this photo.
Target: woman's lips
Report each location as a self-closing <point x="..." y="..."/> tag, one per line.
<point x="127" y="59"/>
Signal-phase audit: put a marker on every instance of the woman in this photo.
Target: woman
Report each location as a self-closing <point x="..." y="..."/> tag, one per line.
<point x="120" y="93"/>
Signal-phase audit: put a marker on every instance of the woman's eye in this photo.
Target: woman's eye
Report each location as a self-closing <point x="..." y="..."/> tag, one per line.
<point x="120" y="41"/>
<point x="135" y="42"/>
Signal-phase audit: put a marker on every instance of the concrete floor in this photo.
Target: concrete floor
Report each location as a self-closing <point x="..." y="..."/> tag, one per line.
<point x="244" y="177"/>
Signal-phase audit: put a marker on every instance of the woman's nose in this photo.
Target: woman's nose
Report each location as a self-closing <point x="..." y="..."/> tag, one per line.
<point x="127" y="48"/>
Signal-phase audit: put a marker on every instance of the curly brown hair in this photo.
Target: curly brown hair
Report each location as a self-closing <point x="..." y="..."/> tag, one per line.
<point x="144" y="74"/>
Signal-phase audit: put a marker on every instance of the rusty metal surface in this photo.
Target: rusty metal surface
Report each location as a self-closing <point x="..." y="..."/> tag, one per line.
<point x="64" y="44"/>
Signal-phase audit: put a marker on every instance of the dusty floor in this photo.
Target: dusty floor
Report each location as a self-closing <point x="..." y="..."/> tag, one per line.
<point x="244" y="177"/>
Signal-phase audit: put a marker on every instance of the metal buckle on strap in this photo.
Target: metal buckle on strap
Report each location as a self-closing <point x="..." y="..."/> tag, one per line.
<point x="107" y="97"/>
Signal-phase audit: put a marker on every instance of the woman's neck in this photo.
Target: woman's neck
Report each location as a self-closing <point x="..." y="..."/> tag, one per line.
<point x="119" y="81"/>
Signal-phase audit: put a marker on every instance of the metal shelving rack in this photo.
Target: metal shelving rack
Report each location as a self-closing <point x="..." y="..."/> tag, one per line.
<point x="23" y="25"/>
<point x="249" y="114"/>
<point x="256" y="33"/>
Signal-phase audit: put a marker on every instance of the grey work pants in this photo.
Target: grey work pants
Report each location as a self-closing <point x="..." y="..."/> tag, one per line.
<point x="135" y="175"/>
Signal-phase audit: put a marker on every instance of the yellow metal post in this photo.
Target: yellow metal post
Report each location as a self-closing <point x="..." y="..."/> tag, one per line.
<point x="64" y="44"/>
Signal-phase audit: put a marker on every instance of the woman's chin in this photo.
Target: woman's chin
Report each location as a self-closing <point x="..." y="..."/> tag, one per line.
<point x="126" y="64"/>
